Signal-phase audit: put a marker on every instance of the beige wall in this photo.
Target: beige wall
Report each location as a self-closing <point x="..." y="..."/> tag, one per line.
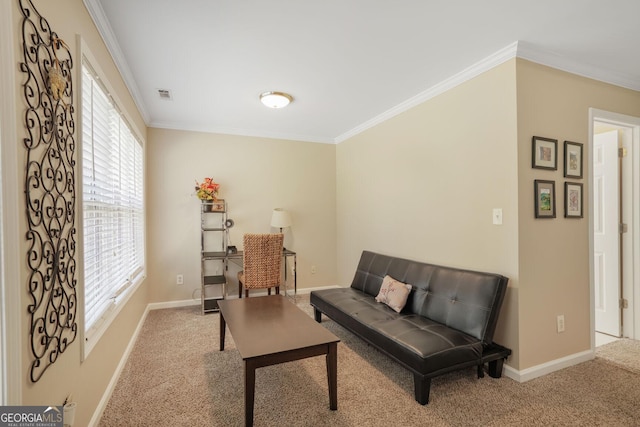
<point x="88" y="380"/>
<point x="554" y="253"/>
<point x="256" y="175"/>
<point x="423" y="185"/>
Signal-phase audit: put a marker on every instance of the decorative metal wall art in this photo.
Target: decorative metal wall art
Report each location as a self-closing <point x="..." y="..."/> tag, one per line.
<point x="50" y="189"/>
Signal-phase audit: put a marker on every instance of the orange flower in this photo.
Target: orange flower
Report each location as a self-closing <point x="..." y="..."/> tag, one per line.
<point x="207" y="190"/>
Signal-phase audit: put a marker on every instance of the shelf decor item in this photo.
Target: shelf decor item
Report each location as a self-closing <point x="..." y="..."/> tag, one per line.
<point x="207" y="192"/>
<point x="217" y="205"/>
<point x="207" y="189"/>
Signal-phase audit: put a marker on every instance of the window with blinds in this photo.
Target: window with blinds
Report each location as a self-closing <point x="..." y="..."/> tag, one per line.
<point x="112" y="203"/>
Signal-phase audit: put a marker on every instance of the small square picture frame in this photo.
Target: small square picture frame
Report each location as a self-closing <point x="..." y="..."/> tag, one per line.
<point x="572" y="160"/>
<point x="545" y="198"/>
<point x="573" y="200"/>
<point x="217" y="205"/>
<point x="544" y="153"/>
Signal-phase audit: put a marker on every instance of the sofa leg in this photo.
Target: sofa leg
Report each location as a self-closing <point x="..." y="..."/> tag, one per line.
<point x="481" y="370"/>
<point x="422" y="386"/>
<point x="495" y="368"/>
<point x="317" y="314"/>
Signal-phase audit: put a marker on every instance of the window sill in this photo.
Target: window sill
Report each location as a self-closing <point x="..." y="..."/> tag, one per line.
<point x="92" y="337"/>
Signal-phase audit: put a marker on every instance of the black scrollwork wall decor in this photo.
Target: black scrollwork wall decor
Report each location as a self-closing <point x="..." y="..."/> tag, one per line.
<point x="50" y="189"/>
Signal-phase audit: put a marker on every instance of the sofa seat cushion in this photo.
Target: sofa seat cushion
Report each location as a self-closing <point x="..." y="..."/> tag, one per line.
<point x="425" y="346"/>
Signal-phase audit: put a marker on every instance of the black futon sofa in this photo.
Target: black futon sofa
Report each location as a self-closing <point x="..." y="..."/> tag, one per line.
<point x="447" y="323"/>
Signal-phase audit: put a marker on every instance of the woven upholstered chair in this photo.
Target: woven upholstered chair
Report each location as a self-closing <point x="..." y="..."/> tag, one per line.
<point x="262" y="259"/>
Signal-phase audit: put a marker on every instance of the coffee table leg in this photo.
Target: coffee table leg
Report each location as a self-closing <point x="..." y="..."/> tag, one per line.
<point x="332" y="375"/>
<point x="249" y="392"/>
<point x="223" y="328"/>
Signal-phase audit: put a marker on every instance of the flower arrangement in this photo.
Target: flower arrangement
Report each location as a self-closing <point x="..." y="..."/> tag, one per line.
<point x="207" y="190"/>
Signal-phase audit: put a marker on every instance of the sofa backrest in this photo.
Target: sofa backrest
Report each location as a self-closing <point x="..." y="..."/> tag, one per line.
<point x="468" y="301"/>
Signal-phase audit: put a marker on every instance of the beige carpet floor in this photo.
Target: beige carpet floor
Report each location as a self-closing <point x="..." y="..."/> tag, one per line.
<point x="175" y="376"/>
<point x="624" y="352"/>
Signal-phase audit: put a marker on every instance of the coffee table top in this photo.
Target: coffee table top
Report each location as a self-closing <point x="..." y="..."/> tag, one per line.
<point x="267" y="325"/>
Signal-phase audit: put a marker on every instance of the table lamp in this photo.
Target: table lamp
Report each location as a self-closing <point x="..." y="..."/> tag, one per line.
<point x="280" y="219"/>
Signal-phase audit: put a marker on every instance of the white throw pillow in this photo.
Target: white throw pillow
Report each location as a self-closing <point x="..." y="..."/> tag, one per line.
<point x="393" y="293"/>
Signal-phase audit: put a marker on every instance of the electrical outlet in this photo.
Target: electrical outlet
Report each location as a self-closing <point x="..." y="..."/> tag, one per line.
<point x="314" y="270"/>
<point x="560" y="322"/>
<point x="179" y="279"/>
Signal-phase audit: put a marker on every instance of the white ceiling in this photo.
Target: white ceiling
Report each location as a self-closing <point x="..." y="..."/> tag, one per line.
<point x="348" y="63"/>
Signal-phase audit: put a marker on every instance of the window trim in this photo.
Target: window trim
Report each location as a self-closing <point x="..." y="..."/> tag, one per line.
<point x="91" y="338"/>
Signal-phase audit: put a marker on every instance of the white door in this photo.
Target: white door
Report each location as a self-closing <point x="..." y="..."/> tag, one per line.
<point x="606" y="234"/>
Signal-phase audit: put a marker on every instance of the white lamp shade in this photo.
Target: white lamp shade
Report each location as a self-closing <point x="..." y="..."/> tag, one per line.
<point x="280" y="218"/>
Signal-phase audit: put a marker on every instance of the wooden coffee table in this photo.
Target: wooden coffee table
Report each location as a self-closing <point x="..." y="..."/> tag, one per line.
<point x="271" y="330"/>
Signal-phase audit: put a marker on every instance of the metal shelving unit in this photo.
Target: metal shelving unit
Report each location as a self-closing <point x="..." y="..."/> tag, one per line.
<point x="213" y="218"/>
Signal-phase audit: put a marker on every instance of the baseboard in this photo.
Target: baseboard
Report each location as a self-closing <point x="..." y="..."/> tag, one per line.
<point x="97" y="414"/>
<point x="172" y="304"/>
<point x="317" y="288"/>
<point x="548" y="367"/>
<point x="303" y="291"/>
<point x="190" y="302"/>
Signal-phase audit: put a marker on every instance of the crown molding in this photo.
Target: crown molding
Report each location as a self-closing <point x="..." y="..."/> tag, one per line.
<point x="467" y="74"/>
<point x="517" y="49"/>
<point x="554" y="60"/>
<point x="242" y="132"/>
<point x="104" y="28"/>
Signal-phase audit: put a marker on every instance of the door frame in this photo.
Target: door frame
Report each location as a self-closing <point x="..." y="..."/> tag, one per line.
<point x="631" y="266"/>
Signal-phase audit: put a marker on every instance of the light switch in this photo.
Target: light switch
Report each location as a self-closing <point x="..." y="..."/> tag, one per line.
<point x="497" y="216"/>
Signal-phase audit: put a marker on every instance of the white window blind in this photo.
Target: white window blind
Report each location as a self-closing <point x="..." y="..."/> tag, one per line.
<point x="112" y="201"/>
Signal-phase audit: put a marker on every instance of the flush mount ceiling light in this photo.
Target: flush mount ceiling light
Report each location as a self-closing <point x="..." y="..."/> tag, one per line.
<point x="275" y="99"/>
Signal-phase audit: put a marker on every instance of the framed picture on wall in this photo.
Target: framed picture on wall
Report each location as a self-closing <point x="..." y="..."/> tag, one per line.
<point x="545" y="198"/>
<point x="572" y="159"/>
<point x="545" y="153"/>
<point x="572" y="200"/>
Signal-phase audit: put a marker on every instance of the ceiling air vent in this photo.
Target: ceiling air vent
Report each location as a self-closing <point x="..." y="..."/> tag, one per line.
<point x="164" y="94"/>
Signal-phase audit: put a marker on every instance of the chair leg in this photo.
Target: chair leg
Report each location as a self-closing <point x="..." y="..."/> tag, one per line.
<point x="239" y="289"/>
<point x="277" y="290"/>
<point x="268" y="291"/>
<point x="246" y="293"/>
